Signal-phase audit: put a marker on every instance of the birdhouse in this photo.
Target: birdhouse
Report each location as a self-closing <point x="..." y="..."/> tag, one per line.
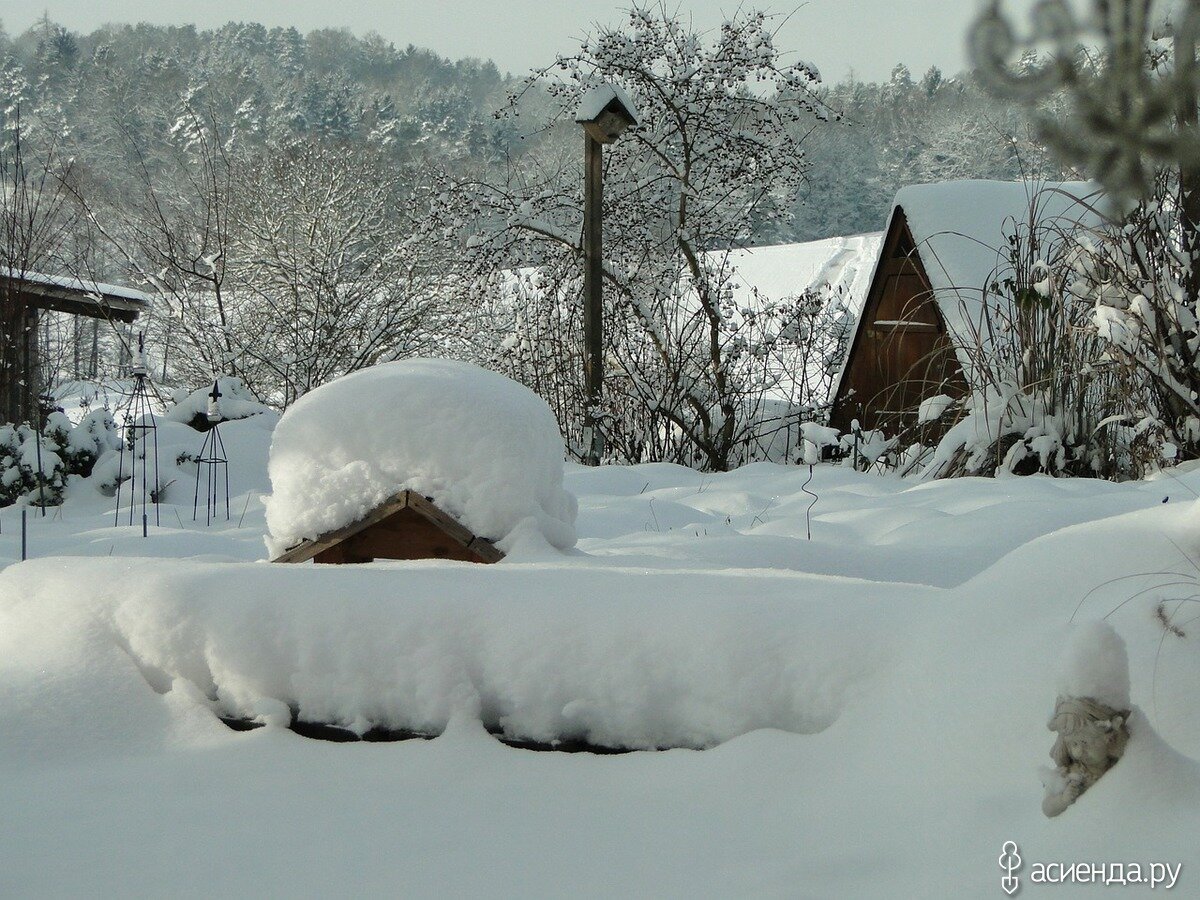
<point x="408" y="526"/>
<point x="605" y="112"/>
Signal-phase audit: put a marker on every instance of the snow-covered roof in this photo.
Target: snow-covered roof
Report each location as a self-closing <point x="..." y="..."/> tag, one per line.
<point x="594" y="100"/>
<point x="82" y="292"/>
<point x="484" y="448"/>
<point x="785" y="270"/>
<point x="961" y="231"/>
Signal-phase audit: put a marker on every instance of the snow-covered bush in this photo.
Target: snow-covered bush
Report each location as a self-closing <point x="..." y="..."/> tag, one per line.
<point x="485" y="448"/>
<point x="1130" y="121"/>
<point x="1140" y="286"/>
<point x="782" y="356"/>
<point x="81" y="444"/>
<point x="31" y="469"/>
<point x="1048" y="394"/>
<point x="1001" y="430"/>
<point x="35" y="467"/>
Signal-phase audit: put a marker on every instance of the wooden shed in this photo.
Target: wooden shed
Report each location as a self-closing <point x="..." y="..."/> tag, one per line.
<point x="24" y="296"/>
<point x="408" y="526"/>
<point x="927" y="305"/>
<point x="901" y="351"/>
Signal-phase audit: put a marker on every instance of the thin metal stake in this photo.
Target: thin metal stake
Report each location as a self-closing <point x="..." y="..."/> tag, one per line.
<point x="37" y="438"/>
<point x="24" y="533"/>
<point x="808" y="512"/>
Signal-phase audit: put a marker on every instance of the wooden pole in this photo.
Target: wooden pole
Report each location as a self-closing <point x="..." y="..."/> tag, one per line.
<point x="593" y="299"/>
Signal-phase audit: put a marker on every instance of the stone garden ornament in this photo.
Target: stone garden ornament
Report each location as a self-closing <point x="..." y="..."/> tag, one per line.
<point x="1091" y="714"/>
<point x="1091" y="738"/>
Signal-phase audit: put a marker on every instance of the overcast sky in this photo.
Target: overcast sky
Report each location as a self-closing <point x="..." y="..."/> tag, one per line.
<point x="868" y="36"/>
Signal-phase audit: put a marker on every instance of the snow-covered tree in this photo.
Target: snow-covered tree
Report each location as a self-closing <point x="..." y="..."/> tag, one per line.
<point x="36" y="220"/>
<point x="1129" y="111"/>
<point x="717" y="155"/>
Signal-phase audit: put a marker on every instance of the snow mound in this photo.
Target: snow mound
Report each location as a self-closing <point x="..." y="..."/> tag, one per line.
<point x="356" y="647"/>
<point x="485" y="448"/>
<point x="1096" y="665"/>
<point x="235" y="402"/>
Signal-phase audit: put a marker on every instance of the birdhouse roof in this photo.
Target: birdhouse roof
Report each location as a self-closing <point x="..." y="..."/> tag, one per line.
<point x="598" y="99"/>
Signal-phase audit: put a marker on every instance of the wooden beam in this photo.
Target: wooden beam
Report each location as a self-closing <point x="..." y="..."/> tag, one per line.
<point x="308" y="549"/>
<point x="81" y="303"/>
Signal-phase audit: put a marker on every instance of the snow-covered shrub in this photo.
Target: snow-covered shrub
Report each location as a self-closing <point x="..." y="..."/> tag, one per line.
<point x="485" y="448"/>
<point x="11" y="484"/>
<point x="1047" y="394"/>
<point x="235" y="402"/>
<point x="34" y="468"/>
<point x="1004" y="430"/>
<point x="81" y="444"/>
<point x="31" y="469"/>
<point x="781" y="357"/>
<point x="1139" y="285"/>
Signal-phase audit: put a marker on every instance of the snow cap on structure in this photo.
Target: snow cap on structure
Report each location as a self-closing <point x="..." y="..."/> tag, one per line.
<point x="596" y="99"/>
<point x="1095" y="665"/>
<point x="486" y="449"/>
<point x="236" y="402"/>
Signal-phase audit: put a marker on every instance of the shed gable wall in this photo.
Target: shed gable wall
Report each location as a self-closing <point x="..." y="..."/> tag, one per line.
<point x="901" y="352"/>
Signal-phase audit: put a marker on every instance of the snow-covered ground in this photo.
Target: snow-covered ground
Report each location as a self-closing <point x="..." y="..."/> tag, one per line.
<point x="872" y="702"/>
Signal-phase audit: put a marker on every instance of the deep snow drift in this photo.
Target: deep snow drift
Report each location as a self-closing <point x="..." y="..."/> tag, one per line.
<point x="874" y="701"/>
<point x="485" y="448"/>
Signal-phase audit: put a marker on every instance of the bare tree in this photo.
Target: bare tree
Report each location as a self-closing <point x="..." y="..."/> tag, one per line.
<point x="36" y="218"/>
<point x="331" y="276"/>
<point x="718" y="152"/>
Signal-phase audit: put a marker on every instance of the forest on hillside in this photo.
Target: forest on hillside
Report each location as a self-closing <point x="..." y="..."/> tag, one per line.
<point x="129" y="91"/>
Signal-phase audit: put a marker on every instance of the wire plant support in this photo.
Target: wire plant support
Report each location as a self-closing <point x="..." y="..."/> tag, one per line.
<point x="45" y="407"/>
<point x="141" y="428"/>
<point x="213" y="460"/>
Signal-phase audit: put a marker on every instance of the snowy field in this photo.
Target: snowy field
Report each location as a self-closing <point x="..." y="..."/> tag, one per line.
<point x="859" y="714"/>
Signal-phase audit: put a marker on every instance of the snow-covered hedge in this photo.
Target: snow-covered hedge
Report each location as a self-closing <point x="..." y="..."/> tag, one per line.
<point x="486" y="449"/>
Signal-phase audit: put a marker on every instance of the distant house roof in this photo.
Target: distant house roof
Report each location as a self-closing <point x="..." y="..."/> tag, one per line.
<point x="780" y="271"/>
<point x="786" y="270"/>
<point x="81" y="297"/>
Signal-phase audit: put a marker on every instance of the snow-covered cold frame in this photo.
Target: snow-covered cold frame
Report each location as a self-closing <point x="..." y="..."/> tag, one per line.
<point x="873" y="702"/>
